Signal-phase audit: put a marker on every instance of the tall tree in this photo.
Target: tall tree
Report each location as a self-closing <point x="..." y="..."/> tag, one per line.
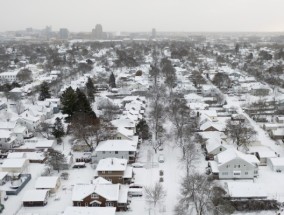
<point x="154" y="73"/>
<point x="24" y="75"/>
<point x="142" y="129"/>
<point x="58" y="129"/>
<point x="91" y="90"/>
<point x="111" y="82"/>
<point x="68" y="101"/>
<point x="44" y="91"/>
<point x="155" y="194"/>
<point x="241" y="132"/>
<point x="82" y="104"/>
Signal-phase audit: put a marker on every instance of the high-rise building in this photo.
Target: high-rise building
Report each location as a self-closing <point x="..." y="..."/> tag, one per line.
<point x="48" y="32"/>
<point x="154" y="33"/>
<point x="98" y="33"/>
<point x="63" y="33"/>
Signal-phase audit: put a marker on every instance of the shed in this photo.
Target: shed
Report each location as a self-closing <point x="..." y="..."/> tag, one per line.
<point x="276" y="164"/>
<point x="51" y="183"/>
<point x="35" y="198"/>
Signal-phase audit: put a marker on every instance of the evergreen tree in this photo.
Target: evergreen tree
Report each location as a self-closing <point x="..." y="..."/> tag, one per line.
<point x="69" y="101"/>
<point x="112" y="81"/>
<point x="90" y="88"/>
<point x="83" y="104"/>
<point x="142" y="129"/>
<point x="58" y="129"/>
<point x="44" y="91"/>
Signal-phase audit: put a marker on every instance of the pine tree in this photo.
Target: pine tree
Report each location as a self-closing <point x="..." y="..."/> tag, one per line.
<point x="69" y="101"/>
<point x="83" y="104"/>
<point x="143" y="129"/>
<point x="90" y="88"/>
<point x="44" y="91"/>
<point x="58" y="129"/>
<point x="112" y="81"/>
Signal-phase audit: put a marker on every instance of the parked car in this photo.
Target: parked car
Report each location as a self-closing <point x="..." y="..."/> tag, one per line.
<point x="135" y="186"/>
<point x="137" y="165"/>
<point x="161" y="159"/>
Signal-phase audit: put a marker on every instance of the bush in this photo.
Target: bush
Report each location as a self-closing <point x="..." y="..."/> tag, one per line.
<point x="138" y="73"/>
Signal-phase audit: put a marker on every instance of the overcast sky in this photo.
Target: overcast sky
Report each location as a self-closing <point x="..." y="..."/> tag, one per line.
<point x="143" y="15"/>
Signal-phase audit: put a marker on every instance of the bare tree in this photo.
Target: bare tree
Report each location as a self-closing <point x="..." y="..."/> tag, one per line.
<point x="24" y="75"/>
<point x="44" y="129"/>
<point x="241" y="132"/>
<point x="196" y="192"/>
<point x="155" y="194"/>
<point x="84" y="127"/>
<point x="56" y="159"/>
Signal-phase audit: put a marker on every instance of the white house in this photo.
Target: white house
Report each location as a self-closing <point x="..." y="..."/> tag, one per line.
<point x="8" y="77"/>
<point x="125" y="149"/>
<point x="15" y="165"/>
<point x="233" y="164"/>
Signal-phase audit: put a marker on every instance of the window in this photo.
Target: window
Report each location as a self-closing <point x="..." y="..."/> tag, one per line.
<point x="224" y="173"/>
<point x="104" y="152"/>
<point x="109" y="171"/>
<point x="94" y="196"/>
<point x="78" y="203"/>
<point x="109" y="204"/>
<point x="246" y="173"/>
<point x="116" y="152"/>
<point x="239" y="166"/>
<point x="103" y="172"/>
<point x="228" y="166"/>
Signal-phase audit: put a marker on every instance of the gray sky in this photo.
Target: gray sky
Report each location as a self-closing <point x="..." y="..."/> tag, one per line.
<point x="143" y="15"/>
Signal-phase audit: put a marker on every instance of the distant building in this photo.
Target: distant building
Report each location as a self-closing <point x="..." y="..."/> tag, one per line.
<point x="98" y="33"/>
<point x="48" y="32"/>
<point x="63" y="33"/>
<point x="154" y="33"/>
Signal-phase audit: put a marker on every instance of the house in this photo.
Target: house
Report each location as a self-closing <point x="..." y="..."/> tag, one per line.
<point x="214" y="146"/>
<point x="125" y="149"/>
<point x="50" y="183"/>
<point x="233" y="164"/>
<point x="114" y="170"/>
<point x="15" y="165"/>
<point x="16" y="155"/>
<point x="28" y="120"/>
<point x="101" y="195"/>
<point x="89" y="211"/>
<point x="263" y="153"/>
<point x="245" y="190"/>
<point x="8" y="77"/>
<point x="276" y="164"/>
<point x="45" y="144"/>
<point x="7" y="140"/>
<point x="211" y="114"/>
<point x="125" y="123"/>
<point x="212" y="126"/>
<point x="35" y="198"/>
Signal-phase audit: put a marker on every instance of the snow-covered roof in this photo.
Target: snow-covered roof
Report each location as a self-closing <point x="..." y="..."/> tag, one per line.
<point x="277" y="162"/>
<point x="14" y="163"/>
<point x="13" y="155"/>
<point x="3" y="175"/>
<point x="263" y="151"/>
<point x="5" y="133"/>
<point x="100" y="180"/>
<point x="214" y="143"/>
<point x="246" y="190"/>
<point x="89" y="211"/>
<point x="42" y="143"/>
<point x="46" y="182"/>
<point x="123" y="194"/>
<point x="108" y="191"/>
<point x="35" y="196"/>
<point x="116" y="145"/>
<point x="123" y="122"/>
<point x="219" y="126"/>
<point x="231" y="154"/>
<point x="112" y="164"/>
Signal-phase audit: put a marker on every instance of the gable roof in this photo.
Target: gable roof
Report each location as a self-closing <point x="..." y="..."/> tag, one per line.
<point x="35" y="196"/>
<point x="231" y="154"/>
<point x="116" y="145"/>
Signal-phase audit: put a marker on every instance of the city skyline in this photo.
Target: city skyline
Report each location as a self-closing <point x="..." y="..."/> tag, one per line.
<point x="142" y="16"/>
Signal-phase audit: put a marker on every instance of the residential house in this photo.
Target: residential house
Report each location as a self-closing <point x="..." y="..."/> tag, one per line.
<point x="8" y="140"/>
<point x="50" y="183"/>
<point x="233" y="164"/>
<point x="4" y="177"/>
<point x="115" y="170"/>
<point x="8" y="77"/>
<point x="214" y="146"/>
<point x="125" y="149"/>
<point x="35" y="198"/>
<point x="101" y="195"/>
